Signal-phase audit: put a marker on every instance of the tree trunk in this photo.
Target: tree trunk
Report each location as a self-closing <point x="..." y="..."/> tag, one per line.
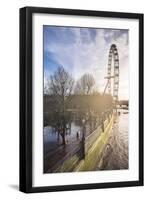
<point x="58" y="138"/>
<point x="63" y="139"/>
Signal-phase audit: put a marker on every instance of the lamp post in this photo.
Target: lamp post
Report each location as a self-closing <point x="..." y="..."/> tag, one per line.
<point x="83" y="138"/>
<point x="103" y="121"/>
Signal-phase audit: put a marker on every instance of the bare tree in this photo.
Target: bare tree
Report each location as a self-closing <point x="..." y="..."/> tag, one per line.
<point x="61" y="87"/>
<point x="62" y="82"/>
<point x="85" y="84"/>
<point x="46" y="86"/>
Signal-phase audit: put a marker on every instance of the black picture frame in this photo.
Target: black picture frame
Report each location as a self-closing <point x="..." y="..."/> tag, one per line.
<point x="26" y="90"/>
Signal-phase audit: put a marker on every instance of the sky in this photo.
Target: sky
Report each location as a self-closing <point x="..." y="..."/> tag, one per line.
<point x="86" y="50"/>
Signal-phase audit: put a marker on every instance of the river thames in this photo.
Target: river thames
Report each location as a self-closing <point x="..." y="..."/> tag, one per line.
<point x="115" y="154"/>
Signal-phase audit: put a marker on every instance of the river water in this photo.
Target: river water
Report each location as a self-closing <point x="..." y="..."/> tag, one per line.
<point x="115" y="154"/>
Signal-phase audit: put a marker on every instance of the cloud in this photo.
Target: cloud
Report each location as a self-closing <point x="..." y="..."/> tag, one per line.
<point x="82" y="50"/>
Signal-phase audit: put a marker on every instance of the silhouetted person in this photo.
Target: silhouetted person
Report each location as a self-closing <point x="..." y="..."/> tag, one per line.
<point x="77" y="135"/>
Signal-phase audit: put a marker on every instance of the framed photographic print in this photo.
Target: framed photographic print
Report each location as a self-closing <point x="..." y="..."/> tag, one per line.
<point x="81" y="99"/>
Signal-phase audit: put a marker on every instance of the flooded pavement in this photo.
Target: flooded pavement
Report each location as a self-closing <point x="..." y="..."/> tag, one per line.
<point x="52" y="140"/>
<point x="115" y="154"/>
<point x="54" y="151"/>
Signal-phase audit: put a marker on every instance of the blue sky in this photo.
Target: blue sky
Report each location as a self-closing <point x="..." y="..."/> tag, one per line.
<point x="85" y="50"/>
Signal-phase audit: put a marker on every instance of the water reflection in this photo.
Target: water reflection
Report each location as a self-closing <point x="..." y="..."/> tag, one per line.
<point x="50" y="135"/>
